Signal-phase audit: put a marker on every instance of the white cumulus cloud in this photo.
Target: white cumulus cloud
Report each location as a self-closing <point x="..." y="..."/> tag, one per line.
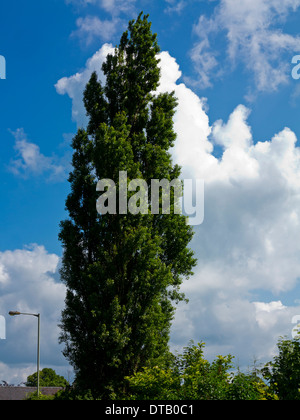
<point x="29" y="285"/>
<point x="74" y="85"/>
<point x="248" y="245"/>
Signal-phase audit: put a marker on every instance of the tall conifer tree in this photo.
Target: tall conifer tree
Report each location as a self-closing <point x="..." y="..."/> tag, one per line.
<point x="123" y="272"/>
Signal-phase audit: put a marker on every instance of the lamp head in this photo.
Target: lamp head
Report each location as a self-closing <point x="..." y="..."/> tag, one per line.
<point x="13" y="313"/>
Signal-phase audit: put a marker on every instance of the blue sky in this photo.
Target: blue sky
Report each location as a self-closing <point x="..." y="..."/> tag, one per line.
<point x="238" y="129"/>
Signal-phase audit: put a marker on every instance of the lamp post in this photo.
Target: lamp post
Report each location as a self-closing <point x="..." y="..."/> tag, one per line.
<point x="14" y="313"/>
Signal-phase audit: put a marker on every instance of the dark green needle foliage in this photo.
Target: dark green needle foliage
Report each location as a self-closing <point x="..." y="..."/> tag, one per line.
<point x="123" y="272"/>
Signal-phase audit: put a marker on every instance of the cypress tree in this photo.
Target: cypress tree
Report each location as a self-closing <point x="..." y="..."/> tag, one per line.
<point x="122" y="271"/>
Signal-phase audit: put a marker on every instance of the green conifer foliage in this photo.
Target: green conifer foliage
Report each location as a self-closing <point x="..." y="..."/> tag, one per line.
<point x="122" y="271"/>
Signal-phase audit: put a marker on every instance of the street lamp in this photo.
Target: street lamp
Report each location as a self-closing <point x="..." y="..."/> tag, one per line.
<point x="14" y="313"/>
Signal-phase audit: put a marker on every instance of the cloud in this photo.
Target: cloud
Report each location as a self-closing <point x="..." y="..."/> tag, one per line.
<point x="117" y="6"/>
<point x="74" y="85"/>
<point x="114" y="7"/>
<point x="175" y="6"/>
<point x="91" y="27"/>
<point x="28" y="284"/>
<point x="253" y="36"/>
<point x="248" y="244"/>
<point x="247" y="248"/>
<point x="30" y="160"/>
